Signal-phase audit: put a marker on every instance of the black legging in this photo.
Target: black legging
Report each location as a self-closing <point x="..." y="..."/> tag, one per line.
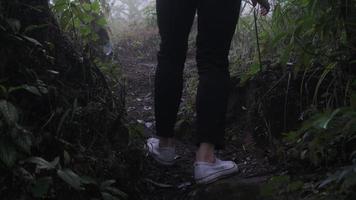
<point x="217" y="21"/>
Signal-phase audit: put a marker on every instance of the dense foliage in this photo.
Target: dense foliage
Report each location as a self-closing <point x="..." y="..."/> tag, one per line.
<point x="51" y="94"/>
<point x="314" y="39"/>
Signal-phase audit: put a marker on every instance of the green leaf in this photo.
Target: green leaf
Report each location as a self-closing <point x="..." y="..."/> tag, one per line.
<point x="59" y="5"/>
<point x="66" y="158"/>
<point x="88" y="180"/>
<point x="278" y="38"/>
<point x="95" y="6"/>
<point x="343" y="174"/>
<point x="61" y="122"/>
<point x="14" y="24"/>
<point x="324" y="120"/>
<point x="86" y="6"/>
<point x="8" y="154"/>
<point x="353" y="155"/>
<point x="41" y="186"/>
<point x="53" y="72"/>
<point x="252" y="71"/>
<point x="55" y="161"/>
<point x="85" y="31"/>
<point x="327" y="181"/>
<point x="87" y="19"/>
<point x="107" y="183"/>
<point x="2" y="28"/>
<point x="102" y="22"/>
<point x="116" y="192"/>
<point x="326" y="71"/>
<point x="108" y="196"/>
<point x="32" y="89"/>
<point x="22" y="138"/>
<point x="9" y="112"/>
<point x="95" y="37"/>
<point x="71" y="178"/>
<point x="40" y="162"/>
<point x="291" y="136"/>
<point x="33" y="41"/>
<point x="3" y="91"/>
<point x="43" y="89"/>
<point x="77" y="23"/>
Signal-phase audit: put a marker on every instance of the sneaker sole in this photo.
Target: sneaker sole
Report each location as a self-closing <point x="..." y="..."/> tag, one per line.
<point x="218" y="175"/>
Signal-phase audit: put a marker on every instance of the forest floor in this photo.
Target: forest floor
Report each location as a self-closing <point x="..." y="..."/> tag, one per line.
<point x="177" y="182"/>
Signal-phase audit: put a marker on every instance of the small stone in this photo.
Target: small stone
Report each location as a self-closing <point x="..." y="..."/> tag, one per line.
<point x="130" y="109"/>
<point x="184" y="185"/>
<point x="148" y="124"/>
<point x="147" y="108"/>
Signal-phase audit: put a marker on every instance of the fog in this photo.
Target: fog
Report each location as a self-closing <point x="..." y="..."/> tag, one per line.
<point x="134" y="10"/>
<point x="128" y="10"/>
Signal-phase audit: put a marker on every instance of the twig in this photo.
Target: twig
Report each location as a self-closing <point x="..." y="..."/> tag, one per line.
<point x="257" y="39"/>
<point x="161" y="185"/>
<point x="286" y="102"/>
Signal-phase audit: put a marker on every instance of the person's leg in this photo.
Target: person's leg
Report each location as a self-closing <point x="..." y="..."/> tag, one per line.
<point x="175" y="18"/>
<point x="216" y="25"/>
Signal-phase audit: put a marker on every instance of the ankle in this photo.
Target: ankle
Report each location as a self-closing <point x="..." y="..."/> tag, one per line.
<point x="166" y="142"/>
<point x="205" y="153"/>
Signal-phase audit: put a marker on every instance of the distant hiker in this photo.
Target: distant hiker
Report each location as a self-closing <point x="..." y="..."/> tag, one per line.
<point x="217" y="21"/>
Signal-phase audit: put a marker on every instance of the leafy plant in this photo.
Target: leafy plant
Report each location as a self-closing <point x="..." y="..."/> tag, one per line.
<point x="83" y="20"/>
<point x="326" y="138"/>
<point x="16" y="141"/>
<point x="42" y="185"/>
<point x="43" y="97"/>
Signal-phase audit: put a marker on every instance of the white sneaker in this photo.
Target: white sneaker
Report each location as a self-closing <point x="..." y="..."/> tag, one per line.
<point x="163" y="155"/>
<point x="205" y="172"/>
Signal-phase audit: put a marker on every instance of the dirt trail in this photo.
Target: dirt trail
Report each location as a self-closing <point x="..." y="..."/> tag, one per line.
<point x="176" y="182"/>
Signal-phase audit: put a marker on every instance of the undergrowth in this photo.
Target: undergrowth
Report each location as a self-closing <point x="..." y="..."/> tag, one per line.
<point x="314" y="39"/>
<point x="62" y="129"/>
